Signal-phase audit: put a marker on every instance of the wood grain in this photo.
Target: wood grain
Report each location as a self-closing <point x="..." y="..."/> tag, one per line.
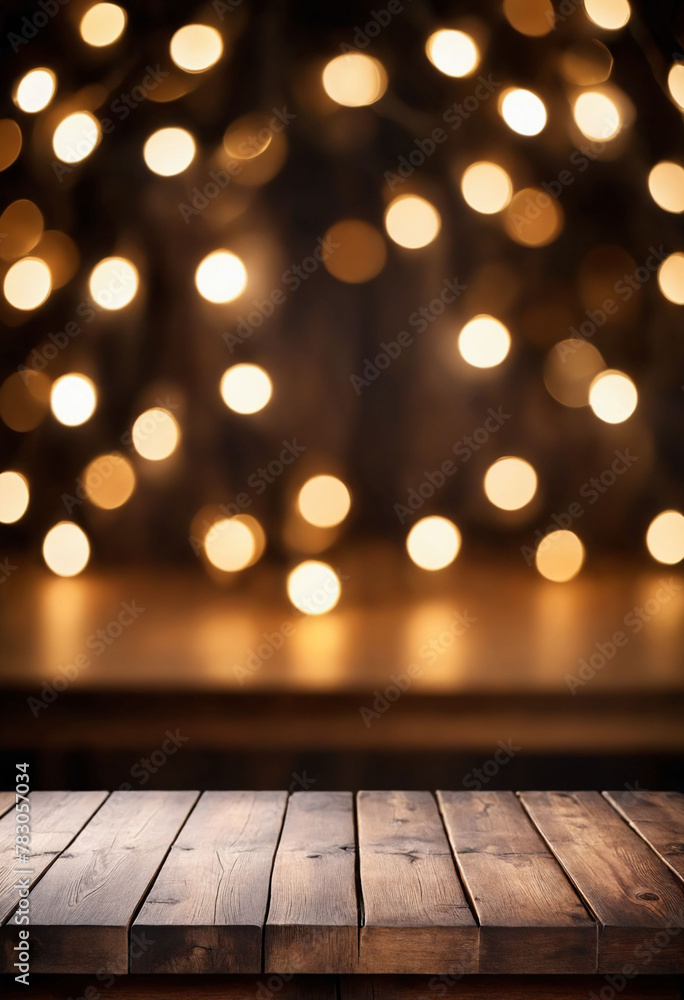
<point x="206" y="910"/>
<point x="658" y="817"/>
<point x="637" y="899"/>
<point x="312" y="921"/>
<point x="503" y="988"/>
<point x="531" y="920"/>
<point x="82" y="907"/>
<point x="7" y="800"/>
<point x="416" y="918"/>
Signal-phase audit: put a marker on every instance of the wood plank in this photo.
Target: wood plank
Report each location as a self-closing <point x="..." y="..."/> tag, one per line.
<point x="170" y="987"/>
<point x="206" y="910"/>
<point x="82" y="907"/>
<point x="531" y="920"/>
<point x="54" y="820"/>
<point x="312" y="921"/>
<point x="7" y="800"/>
<point x="658" y="817"/>
<point x="416" y="918"/>
<point x="505" y="988"/>
<point x="637" y="899"/>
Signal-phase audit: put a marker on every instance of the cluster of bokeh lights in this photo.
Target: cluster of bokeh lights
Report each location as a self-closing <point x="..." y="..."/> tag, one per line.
<point x="575" y="374"/>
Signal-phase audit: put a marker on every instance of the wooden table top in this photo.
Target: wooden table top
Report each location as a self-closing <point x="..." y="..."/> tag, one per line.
<point x="455" y="883"/>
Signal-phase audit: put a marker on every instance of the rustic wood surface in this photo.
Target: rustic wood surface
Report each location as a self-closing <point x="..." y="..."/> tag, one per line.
<point x="7" y="801"/>
<point x="325" y="883"/>
<point x="658" y="817"/>
<point x="637" y="900"/>
<point x="531" y="920"/>
<point x="207" y="907"/>
<point x="313" y="918"/>
<point x="416" y="918"/>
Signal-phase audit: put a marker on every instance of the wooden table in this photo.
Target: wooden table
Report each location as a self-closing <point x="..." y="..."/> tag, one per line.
<point x="462" y="887"/>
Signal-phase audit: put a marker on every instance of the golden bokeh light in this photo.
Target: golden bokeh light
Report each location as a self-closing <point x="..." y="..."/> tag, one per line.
<point x="73" y="399"/>
<point x="453" y="53"/>
<point x="675" y="83"/>
<point x="665" y="537"/>
<point x="61" y="255"/>
<point x="229" y="545"/>
<point x="510" y="483"/>
<point x="196" y="48"/>
<point x="613" y="396"/>
<point x="27" y="283"/>
<point x="569" y="370"/>
<point x="66" y="549"/>
<point x="314" y="587"/>
<point x="586" y="62"/>
<point x="523" y="111"/>
<point x="113" y="283"/>
<point x="433" y="542"/>
<point x="255" y="149"/>
<point x="596" y="116"/>
<point x="530" y="17"/>
<point x="102" y="24"/>
<point x="169" y="151"/>
<point x="14" y="496"/>
<point x="24" y="400"/>
<point x="220" y="277"/>
<point x="666" y="186"/>
<point x="486" y="187"/>
<point x="533" y="218"/>
<point x="155" y="434"/>
<point x="76" y="137"/>
<point x="21" y="226"/>
<point x="559" y="556"/>
<point x="109" y="481"/>
<point x="10" y="142"/>
<point x="324" y="501"/>
<point x="484" y="341"/>
<point x="411" y="221"/>
<point x="671" y="278"/>
<point x="354" y="80"/>
<point x="609" y="14"/>
<point x="245" y="388"/>
<point x="360" y="252"/>
<point x="35" y="90"/>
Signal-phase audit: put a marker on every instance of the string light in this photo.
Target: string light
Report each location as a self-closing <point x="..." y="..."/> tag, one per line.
<point x="155" y="434"/>
<point x="10" y="142"/>
<point x="324" y="501"/>
<point x="596" y="116"/>
<point x="666" y="185"/>
<point x="76" y="137"/>
<point x="354" y="79"/>
<point x="229" y="545"/>
<point x="113" y="283"/>
<point x="533" y="218"/>
<point x="73" y="399"/>
<point x="675" y="83"/>
<point x="411" y="221"/>
<point x="245" y="388"/>
<point x="559" y="556"/>
<point x="486" y="187"/>
<point x="102" y="24"/>
<point x="109" y="481"/>
<point x="453" y="53"/>
<point x="360" y="251"/>
<point x="665" y="537"/>
<point x="196" y="48"/>
<point x="609" y="14"/>
<point x="221" y="277"/>
<point x="27" y="283"/>
<point x="66" y="549"/>
<point x="314" y="587"/>
<point x="14" y="497"/>
<point x="613" y="396"/>
<point x="569" y="370"/>
<point x="530" y="17"/>
<point x="484" y="342"/>
<point x="169" y="151"/>
<point x="510" y="483"/>
<point x="523" y="111"/>
<point x="671" y="278"/>
<point x="433" y="542"/>
<point x="35" y="90"/>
